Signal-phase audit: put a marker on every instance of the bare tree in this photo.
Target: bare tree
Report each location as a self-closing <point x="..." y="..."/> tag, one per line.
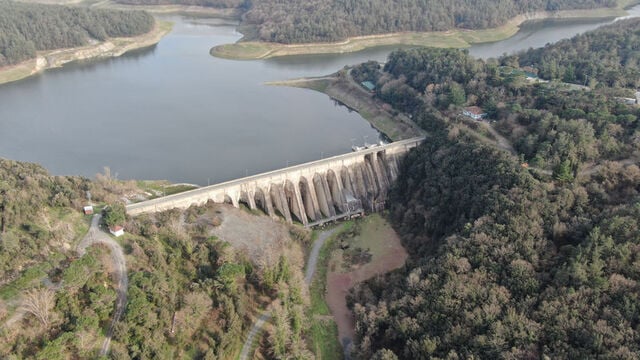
<point x="39" y="302"/>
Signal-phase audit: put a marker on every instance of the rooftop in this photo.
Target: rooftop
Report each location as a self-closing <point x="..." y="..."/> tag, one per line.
<point x="476" y="110"/>
<point x="369" y="85"/>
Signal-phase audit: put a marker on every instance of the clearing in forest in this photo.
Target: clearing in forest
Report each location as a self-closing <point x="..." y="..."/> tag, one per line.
<point x="370" y="248"/>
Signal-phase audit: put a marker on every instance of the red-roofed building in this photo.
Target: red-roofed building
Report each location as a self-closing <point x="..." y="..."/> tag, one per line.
<point x="116" y="230"/>
<point x="474" y="112"/>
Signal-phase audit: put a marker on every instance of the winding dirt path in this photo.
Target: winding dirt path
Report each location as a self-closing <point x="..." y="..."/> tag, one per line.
<point x="312" y="263"/>
<point x="255" y="330"/>
<point x="96" y="236"/>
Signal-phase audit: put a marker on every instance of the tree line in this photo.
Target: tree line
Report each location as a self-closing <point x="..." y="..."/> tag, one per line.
<point x="28" y="28"/>
<point x="300" y="21"/>
<point x="508" y="262"/>
<point x="548" y="124"/>
<point x="606" y="57"/>
<point x="190" y="295"/>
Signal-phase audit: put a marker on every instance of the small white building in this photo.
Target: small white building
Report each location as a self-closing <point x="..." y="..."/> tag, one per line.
<point x="88" y="210"/>
<point x="474" y="112"/>
<point x="116" y="230"/>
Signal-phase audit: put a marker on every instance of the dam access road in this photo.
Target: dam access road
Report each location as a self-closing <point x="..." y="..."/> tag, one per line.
<point x="309" y="193"/>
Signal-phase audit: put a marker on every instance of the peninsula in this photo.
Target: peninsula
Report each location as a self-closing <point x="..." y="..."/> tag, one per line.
<point x="258" y="43"/>
<point x="68" y="34"/>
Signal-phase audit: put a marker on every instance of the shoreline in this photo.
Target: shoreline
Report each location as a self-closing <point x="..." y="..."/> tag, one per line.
<point x="223" y="13"/>
<point x="341" y="88"/>
<point x="113" y="47"/>
<point x="256" y="50"/>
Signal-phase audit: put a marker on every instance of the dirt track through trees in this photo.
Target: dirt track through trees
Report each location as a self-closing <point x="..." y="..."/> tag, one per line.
<point x="97" y="236"/>
<point x="312" y="263"/>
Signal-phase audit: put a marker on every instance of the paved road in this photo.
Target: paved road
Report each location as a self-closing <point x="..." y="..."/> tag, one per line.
<point x="266" y="315"/>
<point x="97" y="236"/>
<point x="315" y="252"/>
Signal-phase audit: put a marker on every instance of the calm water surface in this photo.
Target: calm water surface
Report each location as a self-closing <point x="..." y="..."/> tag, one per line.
<point x="536" y="34"/>
<point x="174" y="112"/>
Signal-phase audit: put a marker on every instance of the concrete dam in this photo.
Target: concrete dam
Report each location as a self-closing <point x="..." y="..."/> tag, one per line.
<point x="310" y="193"/>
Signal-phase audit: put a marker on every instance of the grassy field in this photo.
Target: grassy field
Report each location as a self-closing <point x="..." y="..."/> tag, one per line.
<point x="372" y="235"/>
<point x="251" y="50"/>
<point x="244" y="50"/>
<point x="324" y="332"/>
<point x="163" y="187"/>
<point x="320" y="84"/>
<point x="369" y="249"/>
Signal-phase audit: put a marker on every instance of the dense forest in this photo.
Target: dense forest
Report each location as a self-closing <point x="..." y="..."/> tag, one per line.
<point x="27" y="28"/>
<point x="190" y="295"/>
<point x="609" y="57"/>
<point x="296" y="21"/>
<point x="518" y="252"/>
<point x="300" y="21"/>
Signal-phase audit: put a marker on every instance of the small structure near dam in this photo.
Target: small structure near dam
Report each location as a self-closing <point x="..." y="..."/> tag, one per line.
<point x="312" y="193"/>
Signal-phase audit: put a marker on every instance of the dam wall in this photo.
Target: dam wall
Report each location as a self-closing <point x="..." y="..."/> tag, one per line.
<point x="306" y="193"/>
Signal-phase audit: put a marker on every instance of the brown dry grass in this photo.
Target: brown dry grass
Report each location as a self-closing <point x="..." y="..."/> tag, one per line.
<point x="262" y="238"/>
<point x="387" y="252"/>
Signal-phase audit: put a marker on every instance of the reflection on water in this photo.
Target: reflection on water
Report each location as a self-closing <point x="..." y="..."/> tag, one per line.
<point x="534" y="34"/>
<point x="326" y="63"/>
<point x="174" y="112"/>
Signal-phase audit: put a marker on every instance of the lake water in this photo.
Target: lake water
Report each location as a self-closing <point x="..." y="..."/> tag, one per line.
<point x="175" y="112"/>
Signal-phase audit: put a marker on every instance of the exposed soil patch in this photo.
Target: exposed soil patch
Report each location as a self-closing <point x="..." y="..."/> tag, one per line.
<point x="259" y="236"/>
<point x="355" y="257"/>
<point x="376" y="241"/>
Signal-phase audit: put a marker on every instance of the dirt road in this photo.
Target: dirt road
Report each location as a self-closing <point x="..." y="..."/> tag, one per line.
<point x="311" y="268"/>
<point x="255" y="330"/>
<point x="97" y="236"/>
<point x="312" y="263"/>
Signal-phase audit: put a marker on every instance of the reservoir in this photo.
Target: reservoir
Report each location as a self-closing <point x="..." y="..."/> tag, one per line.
<point x="174" y="112"/>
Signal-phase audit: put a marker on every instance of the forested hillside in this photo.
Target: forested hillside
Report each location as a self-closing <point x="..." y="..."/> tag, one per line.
<point x="609" y="57"/>
<point x="300" y="21"/>
<point x="509" y="259"/>
<point x="190" y="295"/>
<point x="27" y="28"/>
<point x="211" y="3"/>
<point x="296" y="21"/>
